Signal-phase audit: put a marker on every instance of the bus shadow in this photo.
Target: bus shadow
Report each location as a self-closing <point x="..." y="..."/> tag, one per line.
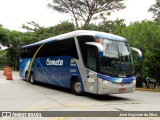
<point x="53" y="87"/>
<point x="110" y="97"/>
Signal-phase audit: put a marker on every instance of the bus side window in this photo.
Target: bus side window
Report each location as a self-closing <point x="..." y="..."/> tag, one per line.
<point x="91" y="59"/>
<point x="68" y="48"/>
<point x="82" y="44"/>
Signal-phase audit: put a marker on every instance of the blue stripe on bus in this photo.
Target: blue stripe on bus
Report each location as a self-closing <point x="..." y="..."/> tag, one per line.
<point x="114" y="79"/>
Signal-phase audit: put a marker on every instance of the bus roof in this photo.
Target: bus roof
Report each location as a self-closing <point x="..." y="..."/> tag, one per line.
<point x="79" y="33"/>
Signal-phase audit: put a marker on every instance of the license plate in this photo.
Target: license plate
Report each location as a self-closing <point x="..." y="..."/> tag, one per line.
<point x="122" y="90"/>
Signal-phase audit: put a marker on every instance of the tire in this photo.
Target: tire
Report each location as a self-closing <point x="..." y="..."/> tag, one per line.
<point x="31" y="78"/>
<point x="76" y="87"/>
<point x="26" y="76"/>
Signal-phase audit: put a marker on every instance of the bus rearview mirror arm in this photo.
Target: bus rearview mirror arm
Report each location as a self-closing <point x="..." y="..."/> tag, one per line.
<point x="138" y="51"/>
<point x="98" y="45"/>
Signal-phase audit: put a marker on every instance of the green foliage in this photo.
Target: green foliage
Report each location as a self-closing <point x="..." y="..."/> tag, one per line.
<point x="4" y="36"/>
<point x="63" y="27"/>
<point x="145" y="36"/>
<point x="31" y="26"/>
<point x="3" y="58"/>
<point x="40" y="33"/>
<point x="108" y="26"/>
<point x="83" y="11"/>
<point x="13" y="40"/>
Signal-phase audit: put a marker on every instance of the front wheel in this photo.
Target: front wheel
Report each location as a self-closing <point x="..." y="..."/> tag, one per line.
<point x="76" y="87"/>
<point x="31" y="78"/>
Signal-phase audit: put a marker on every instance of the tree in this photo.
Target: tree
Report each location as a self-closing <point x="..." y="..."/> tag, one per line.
<point x="14" y="44"/>
<point x="40" y="32"/>
<point x="31" y="26"/>
<point x="3" y="58"/>
<point x="13" y="40"/>
<point x="155" y="9"/>
<point x="145" y="36"/>
<point x="83" y="11"/>
<point x="63" y="27"/>
<point x="4" y="36"/>
<point x="109" y="26"/>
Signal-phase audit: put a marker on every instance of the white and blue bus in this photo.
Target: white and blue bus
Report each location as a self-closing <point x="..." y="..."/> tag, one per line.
<point x="83" y="60"/>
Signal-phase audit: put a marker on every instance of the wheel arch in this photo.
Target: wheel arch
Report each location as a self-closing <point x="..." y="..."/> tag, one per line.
<point x="73" y="78"/>
<point x="26" y="74"/>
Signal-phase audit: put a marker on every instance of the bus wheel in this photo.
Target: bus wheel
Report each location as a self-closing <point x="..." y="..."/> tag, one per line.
<point x="26" y="76"/>
<point x="76" y="87"/>
<point x="32" y="78"/>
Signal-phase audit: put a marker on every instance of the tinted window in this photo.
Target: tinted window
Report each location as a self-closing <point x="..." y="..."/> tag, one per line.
<point x="65" y="47"/>
<point x="82" y="40"/>
<point x="49" y="49"/>
<point x="68" y="48"/>
<point x="91" y="59"/>
<point x="28" y="52"/>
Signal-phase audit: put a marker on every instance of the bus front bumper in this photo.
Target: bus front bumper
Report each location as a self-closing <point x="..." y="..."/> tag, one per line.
<point x="107" y="87"/>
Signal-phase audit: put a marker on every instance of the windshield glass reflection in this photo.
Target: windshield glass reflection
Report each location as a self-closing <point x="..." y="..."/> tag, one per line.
<point x="117" y="58"/>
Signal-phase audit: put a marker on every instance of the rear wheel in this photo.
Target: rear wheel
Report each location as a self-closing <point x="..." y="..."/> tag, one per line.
<point x="76" y="87"/>
<point x="32" y="78"/>
<point x="26" y="76"/>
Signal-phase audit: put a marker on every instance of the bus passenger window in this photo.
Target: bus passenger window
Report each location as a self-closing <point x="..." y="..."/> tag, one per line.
<point x="91" y="59"/>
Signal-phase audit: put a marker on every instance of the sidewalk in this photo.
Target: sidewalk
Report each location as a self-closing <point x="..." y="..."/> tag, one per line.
<point x="147" y="89"/>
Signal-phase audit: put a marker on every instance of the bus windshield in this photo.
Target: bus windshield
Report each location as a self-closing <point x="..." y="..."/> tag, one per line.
<point x="117" y="59"/>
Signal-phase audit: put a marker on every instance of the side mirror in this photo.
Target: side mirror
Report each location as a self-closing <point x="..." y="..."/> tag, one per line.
<point x="99" y="46"/>
<point x="138" y="51"/>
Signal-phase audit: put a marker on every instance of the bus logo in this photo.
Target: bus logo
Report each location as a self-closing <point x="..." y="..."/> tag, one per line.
<point x="72" y="62"/>
<point x="58" y="62"/>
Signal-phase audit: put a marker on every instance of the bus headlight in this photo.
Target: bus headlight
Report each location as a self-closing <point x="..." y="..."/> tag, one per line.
<point x="134" y="81"/>
<point x="105" y="82"/>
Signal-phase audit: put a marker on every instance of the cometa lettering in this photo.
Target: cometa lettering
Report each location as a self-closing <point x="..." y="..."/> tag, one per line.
<point x="54" y="62"/>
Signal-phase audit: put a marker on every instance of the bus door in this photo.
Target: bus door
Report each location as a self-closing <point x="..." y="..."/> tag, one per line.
<point x="92" y="66"/>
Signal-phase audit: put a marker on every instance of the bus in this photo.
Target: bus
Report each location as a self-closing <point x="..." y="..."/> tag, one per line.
<point x="83" y="60"/>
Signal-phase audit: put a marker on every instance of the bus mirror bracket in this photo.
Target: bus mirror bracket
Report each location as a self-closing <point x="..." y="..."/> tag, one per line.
<point x="138" y="51"/>
<point x="98" y="45"/>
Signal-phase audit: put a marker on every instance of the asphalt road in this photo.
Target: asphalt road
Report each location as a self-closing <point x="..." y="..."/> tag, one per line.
<point x="19" y="95"/>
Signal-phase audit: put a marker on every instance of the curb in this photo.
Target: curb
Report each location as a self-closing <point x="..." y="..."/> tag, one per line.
<point x="147" y="89"/>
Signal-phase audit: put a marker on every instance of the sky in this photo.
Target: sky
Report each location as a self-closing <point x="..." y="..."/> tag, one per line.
<point x="14" y="13"/>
